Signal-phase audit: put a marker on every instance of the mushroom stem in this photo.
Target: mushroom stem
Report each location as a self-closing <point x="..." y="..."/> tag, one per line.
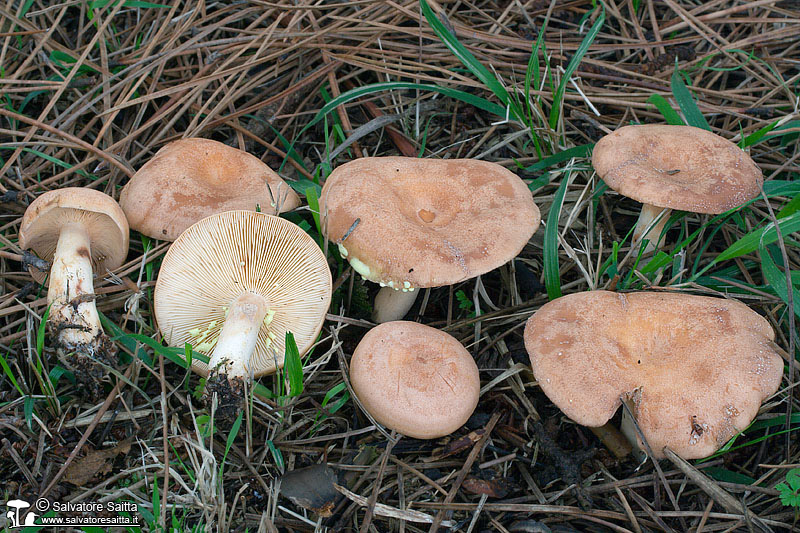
<point x="73" y="313"/>
<point x="230" y="362"/>
<point x="614" y="440"/>
<point x="391" y="304"/>
<point x="651" y="216"/>
<point x="239" y="334"/>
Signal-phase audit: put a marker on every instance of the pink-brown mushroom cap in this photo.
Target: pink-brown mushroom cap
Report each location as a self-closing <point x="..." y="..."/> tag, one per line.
<point x="694" y="368"/>
<point x="190" y="179"/>
<point x="677" y="167"/>
<point x="426" y="222"/>
<point x="99" y="213"/>
<point x="415" y="379"/>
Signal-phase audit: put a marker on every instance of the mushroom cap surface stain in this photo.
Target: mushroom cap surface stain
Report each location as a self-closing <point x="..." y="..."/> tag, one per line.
<point x="677" y="167"/>
<point x="674" y="356"/>
<point x="427" y="222"/>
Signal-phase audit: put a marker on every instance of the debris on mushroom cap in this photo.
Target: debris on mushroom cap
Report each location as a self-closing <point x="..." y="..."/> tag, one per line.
<point x="99" y="213"/>
<point x="224" y="255"/>
<point x="190" y="179"/>
<point x="678" y="167"/>
<point x="415" y="379"/>
<point x="410" y="223"/>
<point x="694" y="368"/>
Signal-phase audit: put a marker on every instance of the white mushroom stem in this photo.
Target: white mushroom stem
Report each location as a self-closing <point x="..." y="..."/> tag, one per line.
<point x="71" y="289"/>
<point x="650" y="225"/>
<point x="391" y="304"/>
<point x="239" y="335"/>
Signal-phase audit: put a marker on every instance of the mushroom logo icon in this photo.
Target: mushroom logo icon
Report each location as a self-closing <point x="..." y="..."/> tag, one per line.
<point x="13" y="515"/>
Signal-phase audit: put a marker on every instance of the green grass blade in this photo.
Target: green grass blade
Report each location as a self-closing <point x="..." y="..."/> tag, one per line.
<point x="572" y="66"/>
<point x="229" y="442"/>
<point x="99" y="4"/>
<point x="686" y="102"/>
<point x="28" y="410"/>
<point x="583" y="150"/>
<point x="776" y="279"/>
<point x="290" y="151"/>
<point x="276" y="455"/>
<point x="722" y="474"/>
<point x="10" y="375"/>
<point x="313" y="205"/>
<point x="41" y="331"/>
<point x="465" y="56"/>
<point x="358" y="92"/>
<point x="791" y="208"/>
<point x="766" y="235"/>
<point x="670" y="115"/>
<point x="293" y="366"/>
<point x="757" y="136"/>
<point x="130" y="340"/>
<point x="552" y="278"/>
<point x="156" y="501"/>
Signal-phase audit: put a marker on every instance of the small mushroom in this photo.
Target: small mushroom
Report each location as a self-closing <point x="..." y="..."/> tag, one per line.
<point x="80" y="231"/>
<point x="190" y="179"/>
<point x="415" y="379"/>
<point x="232" y="285"/>
<point x="674" y="167"/>
<point x="693" y="369"/>
<point x="409" y="223"/>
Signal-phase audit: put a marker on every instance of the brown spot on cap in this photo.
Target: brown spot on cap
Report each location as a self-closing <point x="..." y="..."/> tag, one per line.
<point x="190" y="179"/>
<point x="415" y="379"/>
<point x="687" y="362"/>
<point x="677" y="167"/>
<point x="428" y="222"/>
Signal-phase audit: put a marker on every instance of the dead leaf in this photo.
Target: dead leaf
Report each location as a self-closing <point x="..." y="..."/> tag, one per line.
<point x="461" y="444"/>
<point x="94" y="463"/>
<point x="311" y="488"/>
<point x="494" y="488"/>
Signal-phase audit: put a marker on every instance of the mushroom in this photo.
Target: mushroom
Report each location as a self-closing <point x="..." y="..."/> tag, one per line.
<point x="409" y="223"/>
<point x="415" y="379"/>
<point x="190" y="179"/>
<point x="80" y="231"/>
<point x="232" y="285"/>
<point x="13" y="516"/>
<point x="693" y="369"/>
<point x="674" y="167"/>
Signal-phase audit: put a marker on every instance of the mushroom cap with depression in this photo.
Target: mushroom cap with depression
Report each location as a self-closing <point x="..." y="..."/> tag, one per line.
<point x="99" y="214"/>
<point x="415" y="379"/>
<point x="217" y="259"/>
<point x="695" y="369"/>
<point x="409" y="223"/>
<point x="677" y="167"/>
<point x="190" y="179"/>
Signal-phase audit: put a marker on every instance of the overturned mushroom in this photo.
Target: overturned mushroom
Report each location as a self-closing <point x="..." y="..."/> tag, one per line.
<point x="232" y="285"/>
<point x="674" y="167"/>
<point x="410" y="223"/>
<point x="80" y="231"/>
<point x="190" y="179"/>
<point x="694" y="369"/>
<point x="415" y="379"/>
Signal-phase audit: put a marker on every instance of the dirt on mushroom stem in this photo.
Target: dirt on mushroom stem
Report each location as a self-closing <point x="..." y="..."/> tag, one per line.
<point x="231" y="394"/>
<point x="230" y="360"/>
<point x="73" y="320"/>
